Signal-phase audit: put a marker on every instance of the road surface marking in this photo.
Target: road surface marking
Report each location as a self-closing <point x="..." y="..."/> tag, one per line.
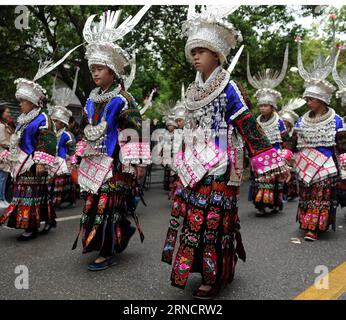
<point x="68" y="218"/>
<point x="337" y="286"/>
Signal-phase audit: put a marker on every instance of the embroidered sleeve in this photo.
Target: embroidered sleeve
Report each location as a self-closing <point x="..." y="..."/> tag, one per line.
<point x="136" y="150"/>
<point x="236" y="101"/>
<point x="264" y="158"/>
<point x="339" y="124"/>
<point x="283" y="132"/>
<point x="46" y="143"/>
<point x="238" y="114"/>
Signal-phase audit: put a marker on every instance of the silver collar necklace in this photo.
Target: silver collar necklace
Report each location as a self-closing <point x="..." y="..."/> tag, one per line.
<point x="26" y="118"/>
<point x="103" y="97"/>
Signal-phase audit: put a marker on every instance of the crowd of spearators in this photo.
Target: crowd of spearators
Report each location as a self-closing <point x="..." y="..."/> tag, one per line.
<point x="210" y="132"/>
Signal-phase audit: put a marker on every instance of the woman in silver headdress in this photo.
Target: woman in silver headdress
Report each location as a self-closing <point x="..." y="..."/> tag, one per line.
<point x="319" y="147"/>
<point x="31" y="154"/>
<point x="269" y="193"/>
<point x="112" y="156"/>
<point x="62" y="186"/>
<point x="63" y="190"/>
<point x="217" y="125"/>
<point x="179" y="118"/>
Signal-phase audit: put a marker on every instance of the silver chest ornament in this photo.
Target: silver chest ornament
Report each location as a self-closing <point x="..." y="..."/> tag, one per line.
<point x="317" y="132"/>
<point x="271" y="128"/>
<point x="23" y="121"/>
<point x="94" y="133"/>
<point x="206" y="107"/>
<point x="97" y="134"/>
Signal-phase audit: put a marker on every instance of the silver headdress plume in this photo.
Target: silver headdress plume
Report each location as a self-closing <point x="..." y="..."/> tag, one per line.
<point x="29" y="89"/>
<point x="288" y="110"/>
<point x="62" y="98"/>
<point x="101" y="42"/>
<point x="235" y="59"/>
<point x="128" y="80"/>
<point x="210" y="29"/>
<point x="266" y="80"/>
<point x="316" y="85"/>
<point x="149" y="102"/>
<point x="340" y="80"/>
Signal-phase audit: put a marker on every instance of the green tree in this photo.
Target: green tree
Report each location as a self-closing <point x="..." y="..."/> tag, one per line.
<point x="158" y="45"/>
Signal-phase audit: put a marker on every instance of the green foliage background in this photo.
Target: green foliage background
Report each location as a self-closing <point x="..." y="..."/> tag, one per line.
<point x="53" y="30"/>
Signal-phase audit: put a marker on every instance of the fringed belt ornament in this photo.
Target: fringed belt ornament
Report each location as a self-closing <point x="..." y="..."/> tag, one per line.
<point x="94" y="170"/>
<point x="236" y="157"/>
<point x="23" y="163"/>
<point x="135" y="153"/>
<point x="59" y="168"/>
<point x="313" y="166"/>
<point x="195" y="162"/>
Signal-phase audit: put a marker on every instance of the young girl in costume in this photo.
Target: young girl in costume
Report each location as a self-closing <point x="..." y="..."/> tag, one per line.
<point x="268" y="193"/>
<point x="209" y="166"/>
<point x="319" y="147"/>
<point x="111" y="164"/>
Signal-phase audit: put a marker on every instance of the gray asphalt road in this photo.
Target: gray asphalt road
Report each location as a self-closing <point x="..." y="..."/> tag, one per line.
<point x="275" y="268"/>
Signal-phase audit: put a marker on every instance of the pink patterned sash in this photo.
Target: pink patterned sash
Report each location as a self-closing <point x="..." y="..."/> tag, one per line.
<point x="313" y="166"/>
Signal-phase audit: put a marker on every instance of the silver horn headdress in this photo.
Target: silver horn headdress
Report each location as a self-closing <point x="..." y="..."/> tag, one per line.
<point x="62" y="98"/>
<point x="340" y="80"/>
<point x="101" y="42"/>
<point x="266" y="80"/>
<point x="316" y="85"/>
<point x="210" y="29"/>
<point x="169" y="120"/>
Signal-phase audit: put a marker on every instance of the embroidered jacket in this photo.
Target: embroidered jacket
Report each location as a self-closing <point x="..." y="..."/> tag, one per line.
<point x="38" y="139"/>
<point x="66" y="147"/>
<point x="34" y="141"/>
<point x="319" y="147"/>
<point x="215" y="113"/>
<point x="108" y="142"/>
